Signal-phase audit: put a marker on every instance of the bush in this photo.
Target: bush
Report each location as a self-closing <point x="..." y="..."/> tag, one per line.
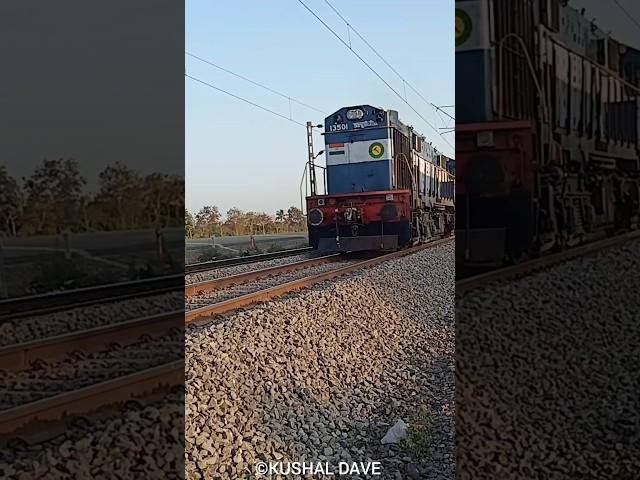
<point x="418" y="440"/>
<point x="251" y="251"/>
<point x="210" y="253"/>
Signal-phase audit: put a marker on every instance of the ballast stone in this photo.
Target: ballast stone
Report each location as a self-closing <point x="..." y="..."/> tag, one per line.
<point x="396" y="433"/>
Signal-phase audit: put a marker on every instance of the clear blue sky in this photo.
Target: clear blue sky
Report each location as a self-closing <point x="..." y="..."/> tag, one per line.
<point x="238" y="155"/>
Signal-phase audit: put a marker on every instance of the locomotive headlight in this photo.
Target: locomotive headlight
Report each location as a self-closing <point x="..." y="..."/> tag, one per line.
<point x="355" y="114"/>
<point x="485" y="139"/>
<point x="315" y="217"/>
<point x="389" y="196"/>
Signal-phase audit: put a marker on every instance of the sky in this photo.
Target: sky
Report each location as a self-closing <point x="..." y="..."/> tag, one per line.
<point x="610" y="17"/>
<point x="93" y="81"/>
<point x="237" y="155"/>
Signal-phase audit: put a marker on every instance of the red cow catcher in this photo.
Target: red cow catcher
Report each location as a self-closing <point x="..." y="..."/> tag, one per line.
<point x="360" y="221"/>
<point x="495" y="191"/>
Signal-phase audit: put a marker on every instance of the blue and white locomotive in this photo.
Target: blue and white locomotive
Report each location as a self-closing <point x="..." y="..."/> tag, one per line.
<point x="387" y="188"/>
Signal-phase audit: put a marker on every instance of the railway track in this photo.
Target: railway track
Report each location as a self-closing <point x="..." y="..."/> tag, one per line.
<point x="526" y="268"/>
<point x="31" y="305"/>
<point x="204" y="299"/>
<point x="219" y="283"/>
<point x="38" y="419"/>
<point x="81" y="369"/>
<point x="22" y="355"/>
<point x="131" y="355"/>
<point x="228" y="262"/>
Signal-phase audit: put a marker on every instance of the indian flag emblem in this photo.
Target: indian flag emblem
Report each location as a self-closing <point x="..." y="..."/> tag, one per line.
<point x="336" y="149"/>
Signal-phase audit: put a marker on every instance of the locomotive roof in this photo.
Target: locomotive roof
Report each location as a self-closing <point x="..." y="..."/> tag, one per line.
<point x="395" y="122"/>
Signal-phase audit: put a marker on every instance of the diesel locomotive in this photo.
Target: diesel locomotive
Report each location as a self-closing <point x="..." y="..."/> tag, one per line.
<point x="386" y="187"/>
<point x="547" y="132"/>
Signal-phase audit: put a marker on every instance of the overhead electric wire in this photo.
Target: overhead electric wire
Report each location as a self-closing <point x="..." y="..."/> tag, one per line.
<point x="406" y="82"/>
<point x="376" y="73"/>
<point x="245" y="100"/>
<point x="291" y="99"/>
<point x="627" y="13"/>
<point x="443" y="120"/>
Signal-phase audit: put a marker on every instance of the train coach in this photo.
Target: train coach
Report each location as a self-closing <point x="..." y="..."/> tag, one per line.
<point x="386" y="187"/>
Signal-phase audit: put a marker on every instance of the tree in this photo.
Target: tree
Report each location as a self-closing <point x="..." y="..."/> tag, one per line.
<point x="189" y="224"/>
<point x="250" y="220"/>
<point x="120" y="196"/>
<point x="54" y="196"/>
<point x="295" y="218"/>
<point x="175" y="204"/>
<point x="10" y="202"/>
<point x="207" y="221"/>
<point x="235" y="219"/>
<point x="164" y="200"/>
<point x="156" y="197"/>
<point x="265" y="221"/>
<point x="281" y="217"/>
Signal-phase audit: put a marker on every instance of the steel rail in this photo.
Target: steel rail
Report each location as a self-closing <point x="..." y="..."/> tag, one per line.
<point x="272" y="292"/>
<point x="228" y="262"/>
<point x="20" y="356"/>
<point x="218" y="283"/>
<point x="21" y="307"/>
<point x="89" y="399"/>
<point x="526" y="268"/>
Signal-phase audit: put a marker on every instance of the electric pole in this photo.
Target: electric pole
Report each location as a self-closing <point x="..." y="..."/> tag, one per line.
<point x="312" y="167"/>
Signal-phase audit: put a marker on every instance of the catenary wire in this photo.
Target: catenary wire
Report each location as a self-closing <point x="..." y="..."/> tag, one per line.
<point x="376" y="74"/>
<point x="627" y="13"/>
<point x="209" y="62"/>
<point x="349" y="26"/>
<point x="244" y="100"/>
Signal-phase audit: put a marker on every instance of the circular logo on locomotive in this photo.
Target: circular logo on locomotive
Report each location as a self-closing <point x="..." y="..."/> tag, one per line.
<point x="376" y="150"/>
<point x="464" y="25"/>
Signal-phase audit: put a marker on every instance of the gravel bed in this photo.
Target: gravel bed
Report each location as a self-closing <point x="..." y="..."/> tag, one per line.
<point x="322" y="374"/>
<point x="84" y="369"/>
<point x="248" y="267"/>
<point x="134" y="443"/>
<point x="42" y="326"/>
<point x="547" y="372"/>
<point x="216" y="296"/>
